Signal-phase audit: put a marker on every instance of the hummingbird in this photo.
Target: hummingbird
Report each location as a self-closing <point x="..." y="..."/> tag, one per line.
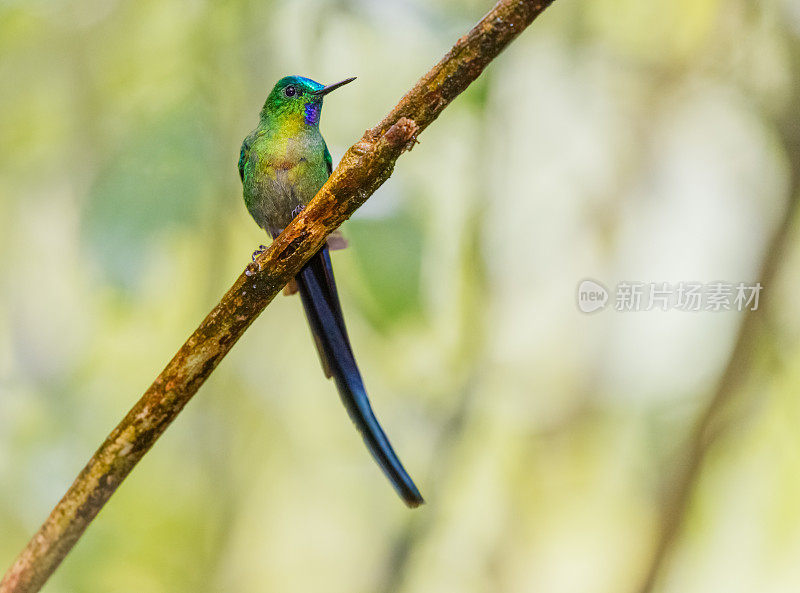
<point x="283" y="163"/>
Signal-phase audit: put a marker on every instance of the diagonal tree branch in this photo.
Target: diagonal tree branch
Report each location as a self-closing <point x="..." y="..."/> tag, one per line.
<point x="364" y="167"/>
<point x="714" y="420"/>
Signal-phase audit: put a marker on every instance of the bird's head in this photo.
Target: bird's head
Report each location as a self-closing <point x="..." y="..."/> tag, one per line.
<point x="297" y="96"/>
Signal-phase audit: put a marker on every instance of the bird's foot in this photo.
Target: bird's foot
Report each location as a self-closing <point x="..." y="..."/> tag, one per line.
<point x="261" y="249"/>
<point x="298" y="210"/>
<point x="253" y="266"/>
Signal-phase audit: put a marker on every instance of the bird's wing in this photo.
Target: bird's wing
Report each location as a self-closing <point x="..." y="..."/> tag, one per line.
<point x="335" y="240"/>
<point x="328" y="160"/>
<point x="244" y="154"/>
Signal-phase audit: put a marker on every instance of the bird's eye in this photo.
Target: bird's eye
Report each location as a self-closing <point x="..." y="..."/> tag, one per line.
<point x="290" y="91"/>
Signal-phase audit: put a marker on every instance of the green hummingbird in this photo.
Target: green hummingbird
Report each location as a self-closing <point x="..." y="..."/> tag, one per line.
<point x="283" y="163"/>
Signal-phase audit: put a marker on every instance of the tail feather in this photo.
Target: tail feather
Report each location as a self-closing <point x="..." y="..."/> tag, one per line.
<point x="324" y="313"/>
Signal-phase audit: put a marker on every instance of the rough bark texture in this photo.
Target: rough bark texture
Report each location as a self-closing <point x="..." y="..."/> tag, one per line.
<point x="364" y="167"/>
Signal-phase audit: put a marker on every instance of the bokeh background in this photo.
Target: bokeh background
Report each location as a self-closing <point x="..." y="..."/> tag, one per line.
<point x="654" y="141"/>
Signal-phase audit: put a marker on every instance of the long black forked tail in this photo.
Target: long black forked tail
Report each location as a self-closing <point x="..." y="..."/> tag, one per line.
<point x="321" y="303"/>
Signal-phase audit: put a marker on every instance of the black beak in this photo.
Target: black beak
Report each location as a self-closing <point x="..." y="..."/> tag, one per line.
<point x="332" y="87"/>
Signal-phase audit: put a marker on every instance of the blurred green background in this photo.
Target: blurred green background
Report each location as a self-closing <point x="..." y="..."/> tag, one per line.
<point x="615" y="139"/>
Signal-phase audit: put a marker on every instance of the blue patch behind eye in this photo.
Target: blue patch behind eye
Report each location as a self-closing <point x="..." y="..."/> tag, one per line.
<point x="312" y="113"/>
